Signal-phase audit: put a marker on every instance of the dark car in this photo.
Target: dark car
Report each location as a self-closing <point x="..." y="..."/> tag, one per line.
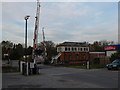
<point x="114" y="65"/>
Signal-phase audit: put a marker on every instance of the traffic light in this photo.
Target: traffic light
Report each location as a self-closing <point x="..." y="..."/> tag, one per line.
<point x="38" y="51"/>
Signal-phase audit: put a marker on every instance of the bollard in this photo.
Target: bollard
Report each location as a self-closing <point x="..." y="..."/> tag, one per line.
<point x="88" y="66"/>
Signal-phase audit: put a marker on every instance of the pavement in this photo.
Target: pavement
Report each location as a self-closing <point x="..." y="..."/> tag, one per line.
<point x="62" y="77"/>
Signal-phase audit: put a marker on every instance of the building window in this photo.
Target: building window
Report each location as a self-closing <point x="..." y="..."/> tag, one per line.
<point x="81" y="49"/>
<point x="72" y="49"/>
<point x="75" y="49"/>
<point x="65" y="48"/>
<point x="77" y="56"/>
<point x="70" y="57"/>
<point x="68" y="49"/>
<point x="86" y="49"/>
<point x="59" y="49"/>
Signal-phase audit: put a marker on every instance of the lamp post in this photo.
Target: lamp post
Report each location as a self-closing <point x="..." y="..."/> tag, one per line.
<point x="26" y="18"/>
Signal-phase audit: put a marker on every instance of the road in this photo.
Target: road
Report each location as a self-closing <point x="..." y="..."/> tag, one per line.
<point x="61" y="77"/>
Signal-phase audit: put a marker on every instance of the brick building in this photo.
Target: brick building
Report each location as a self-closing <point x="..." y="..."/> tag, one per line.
<point x="72" y="52"/>
<point x="78" y="52"/>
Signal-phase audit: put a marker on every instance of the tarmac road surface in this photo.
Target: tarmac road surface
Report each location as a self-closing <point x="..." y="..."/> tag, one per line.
<point x="61" y="77"/>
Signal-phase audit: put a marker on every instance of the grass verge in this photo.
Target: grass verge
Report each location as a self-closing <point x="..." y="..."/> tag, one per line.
<point x="81" y="66"/>
<point x="96" y="66"/>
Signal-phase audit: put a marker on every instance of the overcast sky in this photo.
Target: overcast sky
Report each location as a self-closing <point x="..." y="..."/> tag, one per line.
<point x="63" y="21"/>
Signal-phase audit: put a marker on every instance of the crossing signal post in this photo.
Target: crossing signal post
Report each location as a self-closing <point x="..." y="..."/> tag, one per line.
<point x="38" y="52"/>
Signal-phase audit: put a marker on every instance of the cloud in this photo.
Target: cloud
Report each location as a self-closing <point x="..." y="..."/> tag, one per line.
<point x="62" y="21"/>
<point x="64" y="10"/>
<point x="98" y="33"/>
<point x="61" y="0"/>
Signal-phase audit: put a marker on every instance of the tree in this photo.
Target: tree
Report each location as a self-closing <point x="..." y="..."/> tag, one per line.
<point x="17" y="52"/>
<point x="7" y="44"/>
<point x="51" y="49"/>
<point x="105" y="42"/>
<point x="115" y="56"/>
<point x="29" y="50"/>
<point x="6" y="48"/>
<point x="95" y="47"/>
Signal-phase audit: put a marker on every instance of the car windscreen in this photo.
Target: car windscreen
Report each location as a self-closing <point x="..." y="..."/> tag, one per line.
<point x="116" y="61"/>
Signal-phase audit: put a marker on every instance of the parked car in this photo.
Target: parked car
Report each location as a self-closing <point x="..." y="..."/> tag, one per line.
<point x="114" y="65"/>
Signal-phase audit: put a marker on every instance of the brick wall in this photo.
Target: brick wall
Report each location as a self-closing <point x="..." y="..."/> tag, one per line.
<point x="82" y="57"/>
<point x="103" y="60"/>
<point x="74" y="56"/>
<point x="96" y="55"/>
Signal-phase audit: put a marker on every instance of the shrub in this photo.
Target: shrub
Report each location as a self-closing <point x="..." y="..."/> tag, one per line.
<point x="115" y="56"/>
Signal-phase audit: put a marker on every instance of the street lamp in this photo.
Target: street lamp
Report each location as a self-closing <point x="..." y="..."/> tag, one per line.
<point x="26" y="18"/>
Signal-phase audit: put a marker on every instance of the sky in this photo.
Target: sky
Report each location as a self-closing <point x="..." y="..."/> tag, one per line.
<point x="62" y="21"/>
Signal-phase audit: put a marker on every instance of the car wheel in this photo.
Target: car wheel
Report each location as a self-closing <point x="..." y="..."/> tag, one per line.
<point x="118" y="68"/>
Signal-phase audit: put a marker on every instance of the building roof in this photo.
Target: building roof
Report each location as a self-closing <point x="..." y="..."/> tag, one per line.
<point x="82" y="44"/>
